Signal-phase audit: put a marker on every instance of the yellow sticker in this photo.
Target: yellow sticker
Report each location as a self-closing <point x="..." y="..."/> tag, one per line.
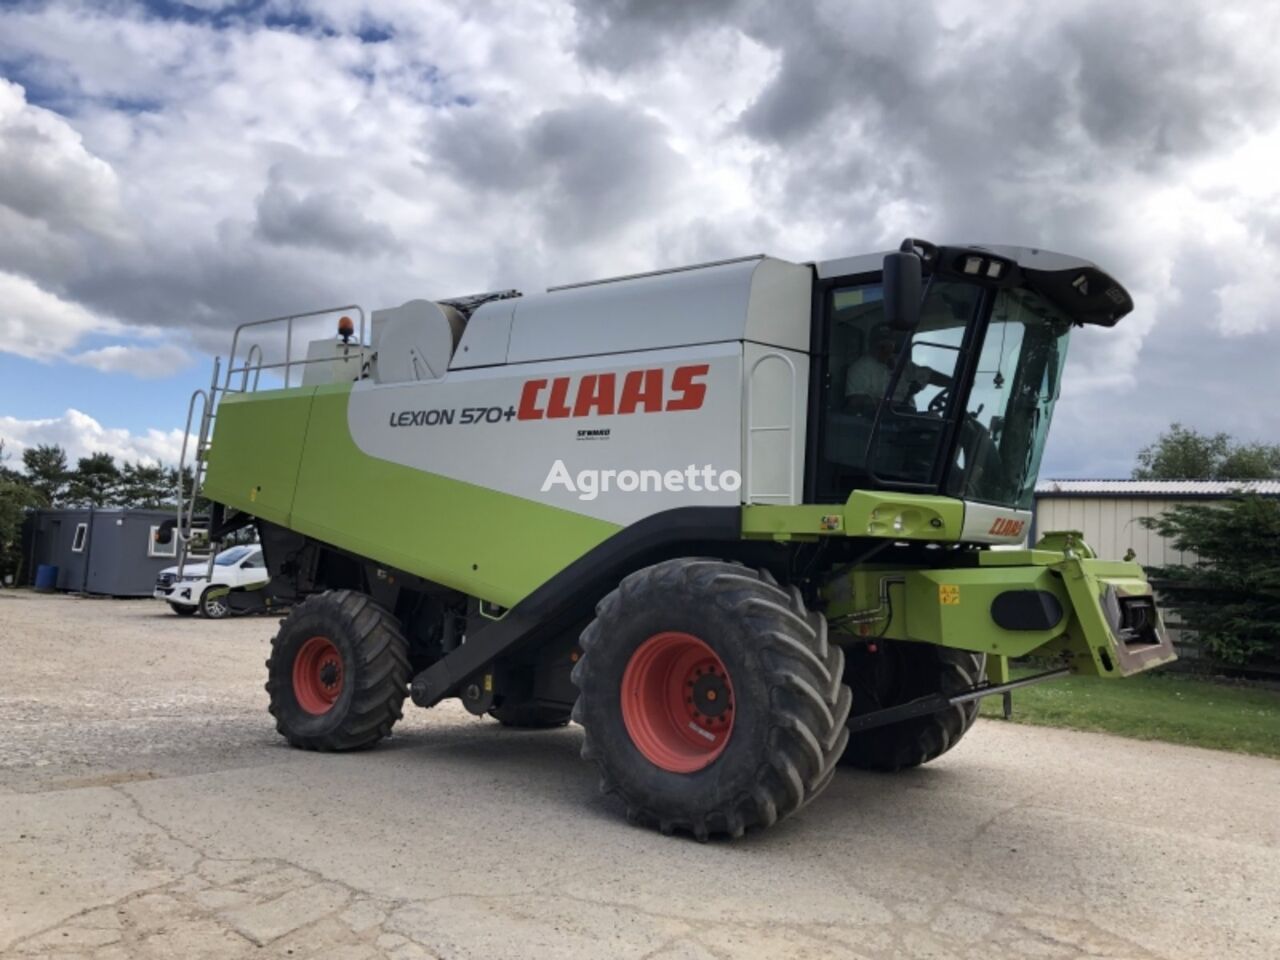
<point x="949" y="594"/>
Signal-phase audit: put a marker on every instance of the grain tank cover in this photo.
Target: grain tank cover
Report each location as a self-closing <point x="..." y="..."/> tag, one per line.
<point x="758" y="299"/>
<point x="415" y="341"/>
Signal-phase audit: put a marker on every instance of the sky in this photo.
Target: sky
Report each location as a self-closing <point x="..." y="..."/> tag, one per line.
<point x="168" y="170"/>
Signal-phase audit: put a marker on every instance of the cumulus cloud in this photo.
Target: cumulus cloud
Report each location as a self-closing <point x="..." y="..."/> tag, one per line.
<point x="49" y="176"/>
<point x="149" y="363"/>
<point x="80" y="435"/>
<point x="40" y="325"/>
<point x="188" y="172"/>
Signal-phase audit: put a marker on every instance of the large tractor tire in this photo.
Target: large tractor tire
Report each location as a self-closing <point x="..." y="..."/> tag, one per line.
<point x="711" y="698"/>
<point x="338" y="673"/>
<point x="889" y="673"/>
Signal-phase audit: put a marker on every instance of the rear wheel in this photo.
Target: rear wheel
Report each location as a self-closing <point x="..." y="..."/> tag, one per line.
<point x="889" y="673"/>
<point x="338" y="672"/>
<point x="711" y="697"/>
<point x="182" y="609"/>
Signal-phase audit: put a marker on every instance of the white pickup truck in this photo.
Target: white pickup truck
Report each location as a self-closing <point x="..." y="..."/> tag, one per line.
<point x="189" y="591"/>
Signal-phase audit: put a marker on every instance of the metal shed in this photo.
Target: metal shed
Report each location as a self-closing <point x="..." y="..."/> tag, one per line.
<point x="1107" y="512"/>
<point x="109" y="551"/>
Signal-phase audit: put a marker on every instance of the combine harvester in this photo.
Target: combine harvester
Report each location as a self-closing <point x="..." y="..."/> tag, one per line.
<point x="734" y="519"/>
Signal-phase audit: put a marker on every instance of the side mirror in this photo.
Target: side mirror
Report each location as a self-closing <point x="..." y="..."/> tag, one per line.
<point x="902" y="283"/>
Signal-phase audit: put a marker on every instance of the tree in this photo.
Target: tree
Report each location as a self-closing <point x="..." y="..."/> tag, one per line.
<point x="15" y="497"/>
<point x="144" y="485"/>
<point x="1183" y="453"/>
<point x="96" y="481"/>
<point x="46" y="466"/>
<point x="1231" y="595"/>
<point x="6" y="471"/>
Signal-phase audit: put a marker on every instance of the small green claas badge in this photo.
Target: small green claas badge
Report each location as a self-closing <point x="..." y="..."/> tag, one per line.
<point x="831" y="521"/>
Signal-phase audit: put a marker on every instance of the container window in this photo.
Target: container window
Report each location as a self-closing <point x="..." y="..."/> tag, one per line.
<point x="77" y="542"/>
<point x="169" y="549"/>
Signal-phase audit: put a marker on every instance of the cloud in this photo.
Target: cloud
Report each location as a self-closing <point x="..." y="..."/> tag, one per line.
<point x="49" y="176"/>
<point x="37" y="324"/>
<point x="80" y="435"/>
<point x="319" y="218"/>
<point x="148" y="363"/>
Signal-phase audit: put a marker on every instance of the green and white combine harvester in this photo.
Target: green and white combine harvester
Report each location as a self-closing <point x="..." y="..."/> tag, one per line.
<point x="744" y="522"/>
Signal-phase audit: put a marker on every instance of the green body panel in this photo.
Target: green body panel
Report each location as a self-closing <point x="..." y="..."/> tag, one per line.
<point x="487" y="544"/>
<point x="260" y="437"/>
<point x="867" y="513"/>
<point x="952" y="608"/>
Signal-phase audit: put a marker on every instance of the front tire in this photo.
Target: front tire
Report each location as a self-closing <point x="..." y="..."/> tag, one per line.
<point x="338" y="673"/>
<point x="711" y="698"/>
<point x="182" y="609"/>
<point x="214" y="608"/>
<point x="893" y="672"/>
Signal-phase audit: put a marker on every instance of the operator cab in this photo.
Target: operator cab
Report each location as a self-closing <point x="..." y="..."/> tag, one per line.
<point x="949" y="392"/>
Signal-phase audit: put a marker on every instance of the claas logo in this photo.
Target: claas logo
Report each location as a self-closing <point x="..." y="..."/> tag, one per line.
<point x="1004" y="527"/>
<point x="606" y="394"/>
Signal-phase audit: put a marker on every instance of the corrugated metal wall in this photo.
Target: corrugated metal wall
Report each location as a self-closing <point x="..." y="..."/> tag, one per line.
<point x="1111" y="527"/>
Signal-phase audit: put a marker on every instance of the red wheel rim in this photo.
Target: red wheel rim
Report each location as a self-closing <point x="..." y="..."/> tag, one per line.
<point x="677" y="702"/>
<point x="317" y="675"/>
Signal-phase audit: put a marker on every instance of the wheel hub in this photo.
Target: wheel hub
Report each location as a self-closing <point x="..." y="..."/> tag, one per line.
<point x="711" y="696"/>
<point x="317" y="675"/>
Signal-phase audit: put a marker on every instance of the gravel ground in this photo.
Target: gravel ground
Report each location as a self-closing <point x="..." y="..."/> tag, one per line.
<point x="147" y="809"/>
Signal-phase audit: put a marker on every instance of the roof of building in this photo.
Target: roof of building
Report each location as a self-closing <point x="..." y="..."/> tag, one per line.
<point x="1171" y="489"/>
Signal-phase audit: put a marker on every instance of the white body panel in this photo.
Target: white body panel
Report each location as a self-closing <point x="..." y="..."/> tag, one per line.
<point x="986" y="523"/>
<point x="775" y="398"/>
<point x="761" y="300"/>
<point x="518" y="430"/>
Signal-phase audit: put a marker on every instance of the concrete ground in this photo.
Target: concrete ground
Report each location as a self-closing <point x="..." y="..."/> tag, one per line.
<point x="148" y="809"/>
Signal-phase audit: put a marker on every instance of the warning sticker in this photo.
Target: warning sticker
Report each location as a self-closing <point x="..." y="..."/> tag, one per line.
<point x="949" y="594"/>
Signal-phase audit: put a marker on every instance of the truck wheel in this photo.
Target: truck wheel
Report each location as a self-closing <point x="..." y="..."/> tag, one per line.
<point x="711" y="698"/>
<point x="338" y="672"/>
<point x="182" y="609"/>
<point x="530" y="716"/>
<point x="215" y="608"/>
<point x="889" y="673"/>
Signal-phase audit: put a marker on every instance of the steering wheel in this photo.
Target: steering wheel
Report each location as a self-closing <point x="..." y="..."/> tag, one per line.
<point x="939" y="402"/>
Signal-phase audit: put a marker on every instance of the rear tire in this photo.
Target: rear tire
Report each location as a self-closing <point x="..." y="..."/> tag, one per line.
<point x="899" y="671"/>
<point x="338" y="673"/>
<point x="182" y="609"/>
<point x="530" y="716"/>
<point x="729" y="635"/>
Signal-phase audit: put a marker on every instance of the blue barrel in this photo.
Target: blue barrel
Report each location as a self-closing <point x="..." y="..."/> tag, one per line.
<point x="46" y="578"/>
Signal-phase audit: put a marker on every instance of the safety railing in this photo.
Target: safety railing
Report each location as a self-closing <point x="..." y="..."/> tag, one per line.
<point x="254" y="361"/>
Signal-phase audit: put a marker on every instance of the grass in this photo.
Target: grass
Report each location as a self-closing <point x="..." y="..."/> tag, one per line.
<point x="1160" y="706"/>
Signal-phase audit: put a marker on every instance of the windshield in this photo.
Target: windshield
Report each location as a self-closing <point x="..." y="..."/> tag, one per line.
<point x="1015" y="385"/>
<point x="891" y="414"/>
<point x="869" y="363"/>
<point x="233" y="555"/>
